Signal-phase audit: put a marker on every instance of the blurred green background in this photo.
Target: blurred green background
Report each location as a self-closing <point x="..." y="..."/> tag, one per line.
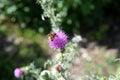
<point x="23" y="34"/>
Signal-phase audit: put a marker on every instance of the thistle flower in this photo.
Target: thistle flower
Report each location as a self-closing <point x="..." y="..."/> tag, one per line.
<point x="18" y="72"/>
<point x="57" y="40"/>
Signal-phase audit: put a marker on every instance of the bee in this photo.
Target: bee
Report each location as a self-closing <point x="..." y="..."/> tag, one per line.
<point x="51" y="36"/>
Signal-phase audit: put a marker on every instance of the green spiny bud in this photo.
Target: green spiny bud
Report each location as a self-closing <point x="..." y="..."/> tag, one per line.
<point x="45" y="75"/>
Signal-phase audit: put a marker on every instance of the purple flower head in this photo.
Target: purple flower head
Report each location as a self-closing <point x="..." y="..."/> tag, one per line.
<point x="18" y="72"/>
<point x="59" y="40"/>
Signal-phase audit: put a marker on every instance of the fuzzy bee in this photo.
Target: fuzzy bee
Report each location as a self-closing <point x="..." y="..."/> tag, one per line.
<point x="51" y="36"/>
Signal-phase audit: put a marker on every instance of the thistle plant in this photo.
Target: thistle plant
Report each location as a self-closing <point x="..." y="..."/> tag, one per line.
<point x="56" y="68"/>
<point x="54" y="11"/>
<point x="66" y="50"/>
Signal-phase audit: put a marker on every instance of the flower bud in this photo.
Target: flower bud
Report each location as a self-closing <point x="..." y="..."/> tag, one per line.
<point x="18" y="72"/>
<point x="77" y="38"/>
<point x="45" y="74"/>
<point x="58" y="67"/>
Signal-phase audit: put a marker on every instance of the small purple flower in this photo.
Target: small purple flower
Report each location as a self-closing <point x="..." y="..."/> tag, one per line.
<point x="18" y="72"/>
<point x="59" y="41"/>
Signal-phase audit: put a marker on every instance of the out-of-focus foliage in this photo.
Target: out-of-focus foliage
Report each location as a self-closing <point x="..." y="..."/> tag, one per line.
<point x="18" y="48"/>
<point x="83" y="16"/>
<point x="96" y="77"/>
<point x="26" y="12"/>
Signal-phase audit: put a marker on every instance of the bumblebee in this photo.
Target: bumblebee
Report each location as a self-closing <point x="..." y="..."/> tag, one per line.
<point x="51" y="36"/>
